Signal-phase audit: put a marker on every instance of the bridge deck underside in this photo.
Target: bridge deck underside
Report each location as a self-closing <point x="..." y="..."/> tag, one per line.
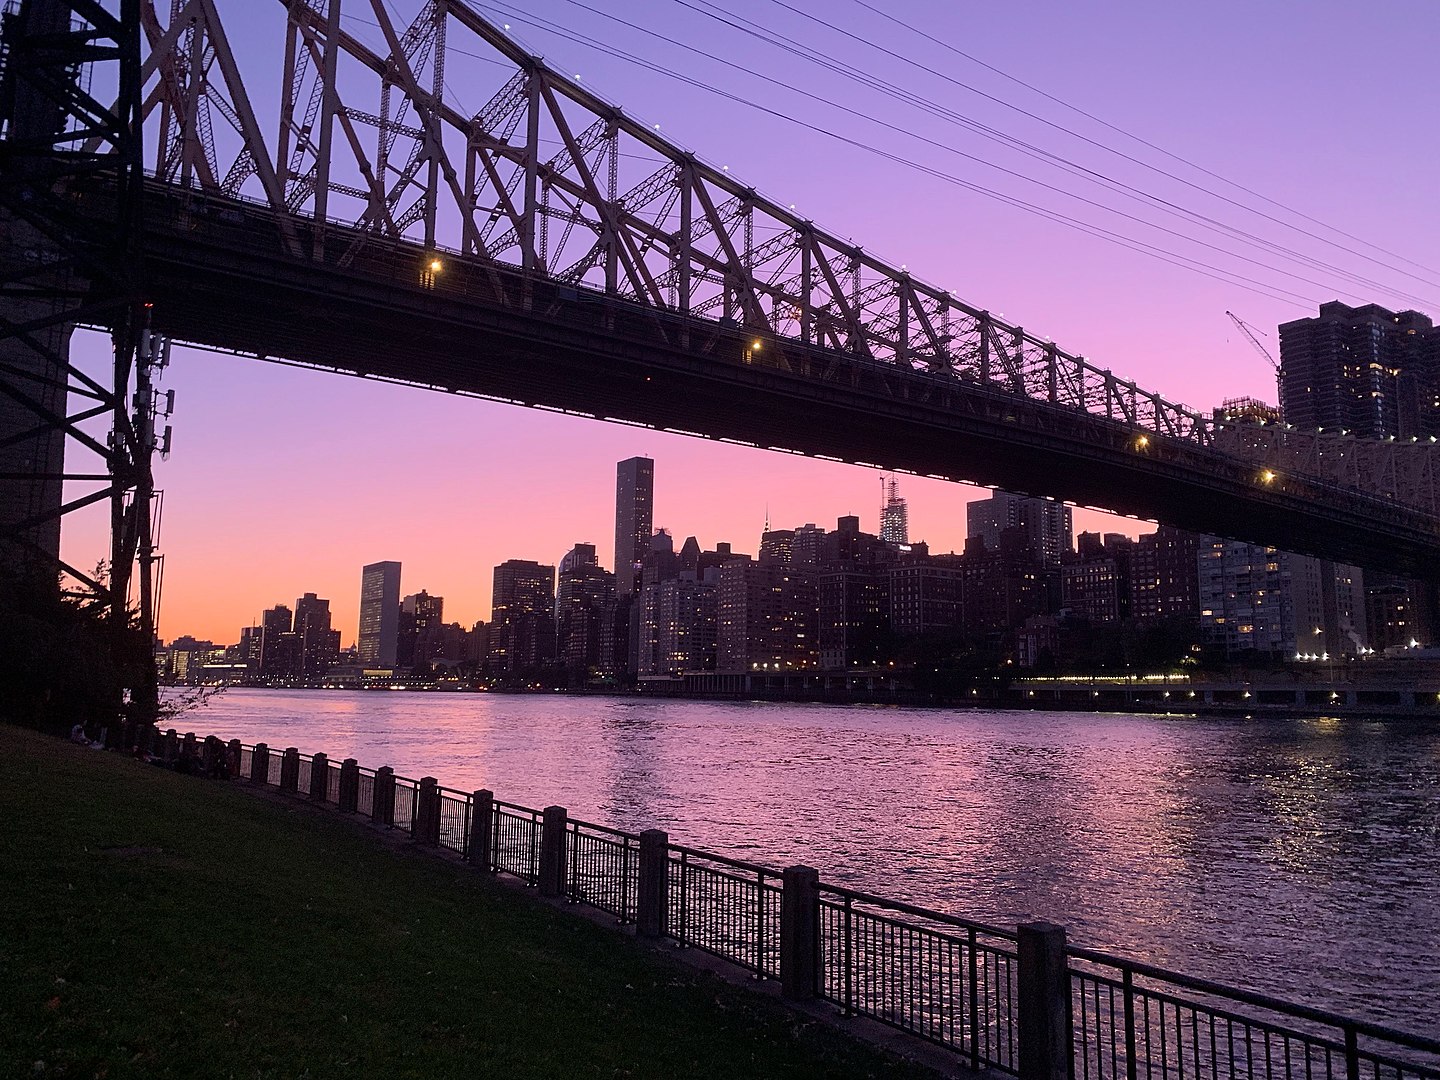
<point x="219" y="279"/>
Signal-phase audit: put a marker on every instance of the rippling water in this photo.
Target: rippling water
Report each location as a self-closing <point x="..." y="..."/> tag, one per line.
<point x="1294" y="857"/>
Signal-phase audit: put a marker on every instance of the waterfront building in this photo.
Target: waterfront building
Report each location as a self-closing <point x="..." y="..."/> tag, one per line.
<point x="854" y="616"/>
<point x="766" y="615"/>
<point x="1257" y="599"/>
<point x="584" y="600"/>
<point x="1164" y="581"/>
<point x="1001" y="586"/>
<point x="418" y="640"/>
<point x="1095" y="581"/>
<point x="634" y="518"/>
<point x="686" y="635"/>
<point x="1366" y="370"/>
<point x="522" y="617"/>
<point x="319" y="642"/>
<point x="379" y="614"/>
<point x="926" y="594"/>
<point x="279" y="645"/>
<point x="1047" y="524"/>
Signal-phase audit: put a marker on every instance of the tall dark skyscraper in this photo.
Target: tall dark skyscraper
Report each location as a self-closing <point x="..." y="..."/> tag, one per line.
<point x="1367" y="370"/>
<point x="319" y="644"/>
<point x="379" y="614"/>
<point x="634" y="519"/>
<point x="522" y="616"/>
<point x="1047" y="524"/>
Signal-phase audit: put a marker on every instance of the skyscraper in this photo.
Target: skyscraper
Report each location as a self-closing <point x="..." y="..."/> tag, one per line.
<point x="1368" y="370"/>
<point x="1047" y="524"/>
<point x="379" y="614"/>
<point x="634" y="518"/>
<point x="894" y="514"/>
<point x="319" y="644"/>
<point x="522" y="621"/>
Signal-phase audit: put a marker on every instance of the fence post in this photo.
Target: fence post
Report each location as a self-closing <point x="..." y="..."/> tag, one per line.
<point x="426" y="827"/>
<point x="1043" y="989"/>
<point x="190" y="748"/>
<point x="290" y="769"/>
<point x="552" y="851"/>
<point x="349" y="785"/>
<point x="259" y="763"/>
<point x="210" y="752"/>
<point x="799" y="932"/>
<point x="482" y="815"/>
<point x="382" y="810"/>
<point x="652" y="895"/>
<point x="232" y="758"/>
<point x="319" y="777"/>
<point x="172" y="745"/>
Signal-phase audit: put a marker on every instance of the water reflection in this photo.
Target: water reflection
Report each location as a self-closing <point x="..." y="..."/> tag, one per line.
<point x="1294" y="856"/>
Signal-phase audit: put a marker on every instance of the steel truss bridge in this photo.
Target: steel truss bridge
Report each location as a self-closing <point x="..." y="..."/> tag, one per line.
<point x="547" y="250"/>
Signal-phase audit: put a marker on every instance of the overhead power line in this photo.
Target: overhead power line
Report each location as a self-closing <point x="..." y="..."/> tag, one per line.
<point x="1112" y="150"/>
<point x="1232" y="277"/>
<point x="1128" y="191"/>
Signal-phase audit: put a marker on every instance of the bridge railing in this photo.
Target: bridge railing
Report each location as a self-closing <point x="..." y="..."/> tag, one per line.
<point x="947" y="980"/>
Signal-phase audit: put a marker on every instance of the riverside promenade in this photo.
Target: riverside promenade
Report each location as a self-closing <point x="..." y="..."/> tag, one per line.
<point x="154" y="924"/>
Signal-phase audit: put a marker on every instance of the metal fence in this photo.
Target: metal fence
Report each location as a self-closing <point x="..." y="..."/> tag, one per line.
<point x="365" y="799"/>
<point x="947" y="980"/>
<point x="1131" y="1020"/>
<point x="603" y="868"/>
<point x="725" y="907"/>
<point x="455" y="813"/>
<point x="940" y="978"/>
<point x="515" y="841"/>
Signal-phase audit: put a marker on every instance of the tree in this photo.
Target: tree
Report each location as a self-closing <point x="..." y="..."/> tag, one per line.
<point x="63" y="659"/>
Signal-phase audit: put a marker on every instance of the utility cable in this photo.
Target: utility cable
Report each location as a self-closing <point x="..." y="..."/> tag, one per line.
<point x="1268" y="289"/>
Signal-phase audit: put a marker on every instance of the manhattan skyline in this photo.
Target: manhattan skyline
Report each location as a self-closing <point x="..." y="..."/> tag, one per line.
<point x="285" y="480"/>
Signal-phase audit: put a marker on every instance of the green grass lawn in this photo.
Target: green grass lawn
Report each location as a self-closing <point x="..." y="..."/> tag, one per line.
<point x="158" y="925"/>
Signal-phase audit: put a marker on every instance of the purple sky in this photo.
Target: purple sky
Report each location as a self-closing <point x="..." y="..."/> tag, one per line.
<point x="286" y="481"/>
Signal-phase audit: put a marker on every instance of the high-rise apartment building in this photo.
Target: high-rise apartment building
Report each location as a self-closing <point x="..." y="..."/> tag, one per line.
<point x="1366" y="370"/>
<point x="1164" y="582"/>
<point x="379" y="614"/>
<point x="584" y="601"/>
<point x="319" y="643"/>
<point x="1254" y="598"/>
<point x="279" y="655"/>
<point x="522" y="617"/>
<point x="767" y="616"/>
<point x="634" y="518"/>
<point x="419" y="641"/>
<point x="1046" y="524"/>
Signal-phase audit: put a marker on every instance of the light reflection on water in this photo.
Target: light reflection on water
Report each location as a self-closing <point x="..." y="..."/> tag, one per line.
<point x="1296" y="857"/>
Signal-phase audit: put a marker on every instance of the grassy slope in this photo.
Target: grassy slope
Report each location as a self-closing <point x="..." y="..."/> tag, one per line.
<point x="158" y="925"/>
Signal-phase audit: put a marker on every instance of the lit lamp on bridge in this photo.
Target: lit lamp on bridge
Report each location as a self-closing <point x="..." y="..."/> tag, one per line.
<point x="429" y="271"/>
<point x="753" y="348"/>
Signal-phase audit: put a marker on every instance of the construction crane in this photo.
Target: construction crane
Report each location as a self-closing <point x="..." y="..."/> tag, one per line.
<point x="1250" y="332"/>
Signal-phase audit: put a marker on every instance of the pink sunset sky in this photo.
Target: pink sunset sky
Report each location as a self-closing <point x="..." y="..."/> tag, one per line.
<point x="285" y="480"/>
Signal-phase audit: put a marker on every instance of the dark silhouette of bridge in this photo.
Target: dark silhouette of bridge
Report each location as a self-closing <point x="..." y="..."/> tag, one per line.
<point x="545" y="250"/>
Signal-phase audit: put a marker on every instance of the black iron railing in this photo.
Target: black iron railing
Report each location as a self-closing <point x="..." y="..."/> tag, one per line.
<point x="726" y="907"/>
<point x="604" y="868"/>
<point x="515" y="841"/>
<point x="1134" y="1021"/>
<point x="943" y="979"/>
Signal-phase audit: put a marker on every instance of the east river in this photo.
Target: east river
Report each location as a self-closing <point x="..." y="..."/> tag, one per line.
<point x="1300" y="858"/>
